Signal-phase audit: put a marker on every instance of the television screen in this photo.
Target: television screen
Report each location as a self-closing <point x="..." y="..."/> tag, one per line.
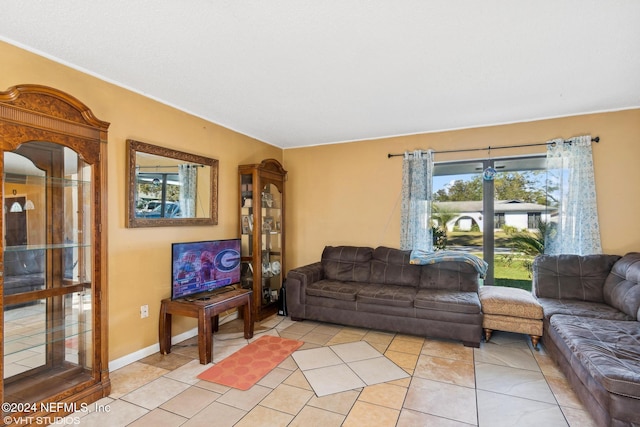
<point x="201" y="267"/>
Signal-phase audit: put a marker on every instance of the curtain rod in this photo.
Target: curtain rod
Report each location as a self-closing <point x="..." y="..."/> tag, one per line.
<point x="566" y="141"/>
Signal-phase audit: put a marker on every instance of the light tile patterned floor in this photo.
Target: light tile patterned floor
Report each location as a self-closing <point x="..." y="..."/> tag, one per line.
<point x="347" y="366"/>
<point x="503" y="383"/>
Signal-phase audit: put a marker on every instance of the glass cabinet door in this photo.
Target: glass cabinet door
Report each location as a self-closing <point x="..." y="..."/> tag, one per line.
<point x="262" y="230"/>
<point x="271" y="247"/>
<point x="47" y="276"/>
<point x="246" y="229"/>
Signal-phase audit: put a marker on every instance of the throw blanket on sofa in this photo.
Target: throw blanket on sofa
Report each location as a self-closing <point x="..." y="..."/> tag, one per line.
<point x="421" y="257"/>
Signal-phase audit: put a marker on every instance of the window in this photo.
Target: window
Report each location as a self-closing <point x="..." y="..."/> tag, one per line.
<point x="533" y="219"/>
<point x="460" y="192"/>
<point x="158" y="195"/>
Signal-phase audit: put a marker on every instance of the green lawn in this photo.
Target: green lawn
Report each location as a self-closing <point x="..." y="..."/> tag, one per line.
<point x="512" y="271"/>
<point x="474" y="238"/>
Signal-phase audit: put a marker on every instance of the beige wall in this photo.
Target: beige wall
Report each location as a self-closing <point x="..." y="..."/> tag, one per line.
<point x="139" y="259"/>
<point x="337" y="194"/>
<point x="350" y="193"/>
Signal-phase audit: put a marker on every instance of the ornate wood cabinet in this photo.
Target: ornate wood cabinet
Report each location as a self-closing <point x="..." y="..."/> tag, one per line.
<point x="53" y="259"/>
<point x="262" y="213"/>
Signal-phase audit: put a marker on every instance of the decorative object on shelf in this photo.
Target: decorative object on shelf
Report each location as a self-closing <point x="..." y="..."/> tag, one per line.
<point x="268" y="224"/>
<point x="246" y="224"/>
<point x="275" y="267"/>
<point x="266" y="270"/>
<point x="267" y="200"/>
<point x="263" y="247"/>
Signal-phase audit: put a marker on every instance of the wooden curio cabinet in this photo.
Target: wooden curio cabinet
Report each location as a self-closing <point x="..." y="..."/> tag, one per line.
<point x="262" y="212"/>
<point x="53" y="264"/>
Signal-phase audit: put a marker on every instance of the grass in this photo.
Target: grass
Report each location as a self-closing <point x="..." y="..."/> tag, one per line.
<point x="513" y="273"/>
<point x="474" y="238"/>
<point x="508" y="270"/>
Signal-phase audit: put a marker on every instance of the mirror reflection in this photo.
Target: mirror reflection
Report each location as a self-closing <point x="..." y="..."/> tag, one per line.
<point x="170" y="187"/>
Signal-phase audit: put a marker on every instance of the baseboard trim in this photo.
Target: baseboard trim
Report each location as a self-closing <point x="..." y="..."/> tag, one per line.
<point x="148" y="351"/>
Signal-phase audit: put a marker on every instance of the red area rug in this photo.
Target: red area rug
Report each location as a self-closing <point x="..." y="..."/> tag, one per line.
<point x="248" y="365"/>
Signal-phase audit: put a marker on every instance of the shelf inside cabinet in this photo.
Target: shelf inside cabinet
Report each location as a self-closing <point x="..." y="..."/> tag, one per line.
<point x="24" y="248"/>
<point x="27" y="338"/>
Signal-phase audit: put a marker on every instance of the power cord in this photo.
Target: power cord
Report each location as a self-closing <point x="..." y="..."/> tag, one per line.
<point x="222" y="322"/>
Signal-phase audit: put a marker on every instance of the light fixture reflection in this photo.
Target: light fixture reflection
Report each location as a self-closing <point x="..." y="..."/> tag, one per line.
<point x="28" y="205"/>
<point x="15" y="207"/>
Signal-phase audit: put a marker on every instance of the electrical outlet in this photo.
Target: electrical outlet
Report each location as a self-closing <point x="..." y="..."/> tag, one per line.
<point x="144" y="311"/>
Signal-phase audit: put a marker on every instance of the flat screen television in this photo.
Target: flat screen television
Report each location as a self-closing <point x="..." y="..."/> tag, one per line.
<point x="199" y="268"/>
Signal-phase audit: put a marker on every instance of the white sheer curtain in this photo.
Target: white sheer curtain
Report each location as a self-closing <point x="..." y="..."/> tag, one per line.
<point x="417" y="195"/>
<point x="188" y="176"/>
<point x="577" y="230"/>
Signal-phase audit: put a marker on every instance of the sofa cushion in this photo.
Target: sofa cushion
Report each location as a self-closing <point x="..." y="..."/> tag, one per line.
<point x="449" y="275"/>
<point x="347" y="263"/>
<point x="457" y="302"/>
<point x="23" y="271"/>
<point x="400" y="313"/>
<point x="622" y="287"/>
<point x="330" y="303"/>
<point x="23" y="283"/>
<point x="609" y="350"/>
<point x="334" y="289"/>
<point x="17" y="263"/>
<point x="579" y="277"/>
<point x="391" y="295"/>
<point x="391" y="267"/>
<point x="594" y="310"/>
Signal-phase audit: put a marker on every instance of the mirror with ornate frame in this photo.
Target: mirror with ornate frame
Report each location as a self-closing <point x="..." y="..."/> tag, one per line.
<point x="169" y="187"/>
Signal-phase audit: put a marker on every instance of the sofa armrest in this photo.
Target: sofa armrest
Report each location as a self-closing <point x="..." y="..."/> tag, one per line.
<point x="577" y="277"/>
<point x="296" y="284"/>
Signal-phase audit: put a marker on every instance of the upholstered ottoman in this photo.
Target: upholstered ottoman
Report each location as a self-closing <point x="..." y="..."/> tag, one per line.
<point x="510" y="310"/>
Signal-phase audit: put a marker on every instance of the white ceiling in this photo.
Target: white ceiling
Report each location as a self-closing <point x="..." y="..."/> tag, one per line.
<point x="297" y="72"/>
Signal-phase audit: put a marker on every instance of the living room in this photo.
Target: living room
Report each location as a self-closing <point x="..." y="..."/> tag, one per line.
<point x="337" y="194"/>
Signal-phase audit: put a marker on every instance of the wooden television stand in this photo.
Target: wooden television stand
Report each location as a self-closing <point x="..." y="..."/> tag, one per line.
<point x="206" y="311"/>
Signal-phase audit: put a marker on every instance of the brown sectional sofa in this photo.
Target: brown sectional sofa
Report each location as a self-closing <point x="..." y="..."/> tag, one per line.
<point x="379" y="289"/>
<point x="23" y="272"/>
<point x="592" y="330"/>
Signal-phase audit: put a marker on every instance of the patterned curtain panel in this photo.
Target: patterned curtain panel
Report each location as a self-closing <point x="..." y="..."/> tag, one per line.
<point x="577" y="230"/>
<point x="417" y="195"/>
<point x="188" y="176"/>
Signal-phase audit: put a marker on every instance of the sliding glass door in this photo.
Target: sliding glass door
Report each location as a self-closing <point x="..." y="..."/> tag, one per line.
<point x="494" y="208"/>
<point x="458" y="210"/>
